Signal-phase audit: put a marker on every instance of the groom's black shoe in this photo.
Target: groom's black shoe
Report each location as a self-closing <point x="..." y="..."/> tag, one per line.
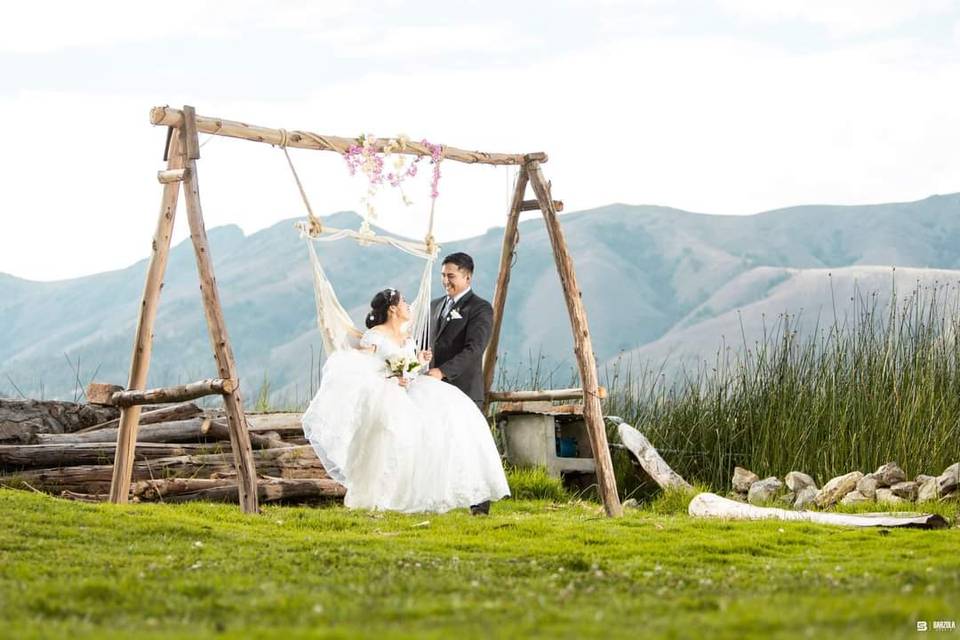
<point x="482" y="509"/>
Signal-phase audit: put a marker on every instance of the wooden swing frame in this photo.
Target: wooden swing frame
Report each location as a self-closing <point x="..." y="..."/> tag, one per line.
<point x="182" y="152"/>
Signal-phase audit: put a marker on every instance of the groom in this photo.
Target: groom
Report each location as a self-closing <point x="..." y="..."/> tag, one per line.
<point x="461" y="325"/>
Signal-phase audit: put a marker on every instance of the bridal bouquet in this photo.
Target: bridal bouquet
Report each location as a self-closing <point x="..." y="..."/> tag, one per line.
<point x="402" y="367"/>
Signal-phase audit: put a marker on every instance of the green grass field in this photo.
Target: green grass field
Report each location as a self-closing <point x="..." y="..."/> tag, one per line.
<point x="532" y="569"/>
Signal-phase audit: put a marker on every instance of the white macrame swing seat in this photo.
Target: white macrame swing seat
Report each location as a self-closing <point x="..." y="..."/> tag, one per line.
<point x="336" y="328"/>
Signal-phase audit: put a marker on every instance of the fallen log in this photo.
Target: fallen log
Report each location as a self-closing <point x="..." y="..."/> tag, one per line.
<point x="192" y="430"/>
<point x="710" y="505"/>
<point x="286" y="424"/>
<point x="287" y="462"/>
<point x="648" y="457"/>
<point x="20" y="420"/>
<point x="23" y="456"/>
<point x="225" y="490"/>
<point x="180" y="411"/>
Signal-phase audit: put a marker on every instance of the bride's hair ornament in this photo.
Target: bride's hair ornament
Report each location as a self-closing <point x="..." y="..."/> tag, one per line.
<point x="379" y="306"/>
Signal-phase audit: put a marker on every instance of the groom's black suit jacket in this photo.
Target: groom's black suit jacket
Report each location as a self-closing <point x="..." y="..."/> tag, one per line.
<point x="458" y="343"/>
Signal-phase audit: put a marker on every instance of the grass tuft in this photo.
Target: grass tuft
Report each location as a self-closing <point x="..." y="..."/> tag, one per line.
<point x="535" y="484"/>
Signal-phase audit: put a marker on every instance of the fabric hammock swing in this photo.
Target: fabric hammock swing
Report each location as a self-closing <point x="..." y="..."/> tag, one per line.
<point x="337" y="330"/>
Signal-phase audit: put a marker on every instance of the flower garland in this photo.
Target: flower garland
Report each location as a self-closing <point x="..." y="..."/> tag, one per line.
<point x="365" y="158"/>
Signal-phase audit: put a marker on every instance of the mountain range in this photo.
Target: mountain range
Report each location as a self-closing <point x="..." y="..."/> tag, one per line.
<point x="660" y="285"/>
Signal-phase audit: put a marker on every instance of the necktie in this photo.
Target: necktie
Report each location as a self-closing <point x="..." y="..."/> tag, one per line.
<point x="446" y="308"/>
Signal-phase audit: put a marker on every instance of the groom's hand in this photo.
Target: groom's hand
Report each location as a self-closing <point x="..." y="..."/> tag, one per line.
<point x="435" y="373"/>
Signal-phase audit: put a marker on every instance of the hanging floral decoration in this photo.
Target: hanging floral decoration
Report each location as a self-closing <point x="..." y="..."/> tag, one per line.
<point x="365" y="157"/>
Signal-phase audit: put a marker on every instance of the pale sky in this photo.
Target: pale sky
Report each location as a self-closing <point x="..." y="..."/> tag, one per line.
<point x="723" y="106"/>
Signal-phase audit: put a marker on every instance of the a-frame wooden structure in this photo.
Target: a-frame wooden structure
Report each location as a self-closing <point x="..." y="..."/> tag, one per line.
<point x="182" y="153"/>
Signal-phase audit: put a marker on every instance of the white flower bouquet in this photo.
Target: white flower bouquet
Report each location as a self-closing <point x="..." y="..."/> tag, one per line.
<point x="402" y="367"/>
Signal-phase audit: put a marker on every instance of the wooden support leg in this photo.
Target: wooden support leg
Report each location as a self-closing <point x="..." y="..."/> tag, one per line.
<point x="239" y="436"/>
<point x="583" y="346"/>
<point x="511" y="235"/>
<point x="143" y="342"/>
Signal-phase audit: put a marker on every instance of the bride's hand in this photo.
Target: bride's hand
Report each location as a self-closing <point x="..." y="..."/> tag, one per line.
<point x="403" y="382"/>
<point x="426" y="356"/>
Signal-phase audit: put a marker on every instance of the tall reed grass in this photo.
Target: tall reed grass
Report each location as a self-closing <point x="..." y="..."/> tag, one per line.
<point x="881" y="384"/>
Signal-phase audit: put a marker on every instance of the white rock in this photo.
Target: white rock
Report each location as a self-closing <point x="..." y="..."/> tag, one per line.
<point x="742" y="479"/>
<point x="867" y="485"/>
<point x="764" y="490"/>
<point x="886" y="495"/>
<point x="906" y="490"/>
<point x="889" y="475"/>
<point x="805" y="496"/>
<point x="840" y="486"/>
<point x="631" y="503"/>
<point x="797" y="480"/>
<point x="921" y="478"/>
<point x="949" y="480"/>
<point x="929" y="490"/>
<point x="854" y="497"/>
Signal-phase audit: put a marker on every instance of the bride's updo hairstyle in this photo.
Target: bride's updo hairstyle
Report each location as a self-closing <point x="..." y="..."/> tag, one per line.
<point x="379" y="306"/>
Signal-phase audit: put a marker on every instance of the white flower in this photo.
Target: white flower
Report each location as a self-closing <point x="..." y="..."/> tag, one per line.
<point x="455" y="315"/>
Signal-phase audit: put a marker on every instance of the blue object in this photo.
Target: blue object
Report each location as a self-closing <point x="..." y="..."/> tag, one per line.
<point x="566" y="447"/>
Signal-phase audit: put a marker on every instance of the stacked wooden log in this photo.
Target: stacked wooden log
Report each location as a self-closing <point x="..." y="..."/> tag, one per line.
<point x="183" y="453"/>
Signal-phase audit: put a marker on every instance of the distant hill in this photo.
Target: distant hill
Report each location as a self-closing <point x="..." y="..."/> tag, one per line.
<point x="657" y="282"/>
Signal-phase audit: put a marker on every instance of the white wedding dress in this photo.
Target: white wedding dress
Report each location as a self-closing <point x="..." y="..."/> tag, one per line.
<point x="424" y="448"/>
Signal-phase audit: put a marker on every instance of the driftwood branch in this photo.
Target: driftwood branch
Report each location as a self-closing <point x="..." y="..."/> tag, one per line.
<point x="23" y="456"/>
<point x="287" y="462"/>
<point x="164" y="414"/>
<point x="225" y="490"/>
<point x="648" y="457"/>
<point x="192" y="430"/>
<point x="709" y="505"/>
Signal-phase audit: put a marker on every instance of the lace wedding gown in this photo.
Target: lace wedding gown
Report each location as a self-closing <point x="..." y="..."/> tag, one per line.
<point x="423" y="448"/>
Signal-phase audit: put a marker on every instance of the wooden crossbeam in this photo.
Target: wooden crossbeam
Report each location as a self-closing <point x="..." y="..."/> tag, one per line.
<point x="545" y="394"/>
<point x="533" y="205"/>
<point x="170" y="117"/>
<point x="171" y="175"/>
<point x="107" y="394"/>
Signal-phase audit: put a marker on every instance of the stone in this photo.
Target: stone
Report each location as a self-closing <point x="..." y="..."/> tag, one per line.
<point x="805" y="497"/>
<point x="949" y="480"/>
<point x="787" y="498"/>
<point x="906" y="490"/>
<point x="854" y="497"/>
<point x="764" y="490"/>
<point x="867" y="485"/>
<point x="921" y="478"/>
<point x="797" y="480"/>
<point x="838" y="487"/>
<point x="631" y="503"/>
<point x="886" y="495"/>
<point x="742" y="479"/>
<point x="929" y="490"/>
<point x="889" y="475"/>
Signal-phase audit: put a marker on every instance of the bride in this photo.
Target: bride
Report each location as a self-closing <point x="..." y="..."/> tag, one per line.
<point x="403" y="442"/>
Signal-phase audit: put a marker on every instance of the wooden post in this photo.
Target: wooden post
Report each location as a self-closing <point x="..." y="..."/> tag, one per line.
<point x="239" y="436"/>
<point x="143" y="341"/>
<point x="511" y="236"/>
<point x="583" y="346"/>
